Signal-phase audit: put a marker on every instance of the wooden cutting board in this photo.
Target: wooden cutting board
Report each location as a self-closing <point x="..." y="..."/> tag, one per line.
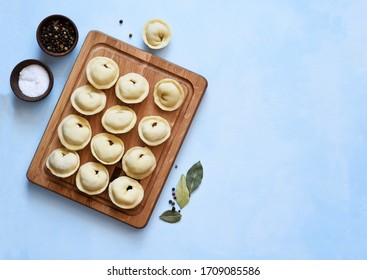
<point x="153" y="68"/>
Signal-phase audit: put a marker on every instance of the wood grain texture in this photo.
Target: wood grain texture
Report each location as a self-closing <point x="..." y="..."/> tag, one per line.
<point x="153" y="68"/>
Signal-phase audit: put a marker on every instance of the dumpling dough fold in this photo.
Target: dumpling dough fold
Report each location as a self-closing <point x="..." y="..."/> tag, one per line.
<point x="168" y="94"/>
<point x="63" y="162"/>
<point x="156" y="34"/>
<point x="74" y="132"/>
<point x="132" y="88"/>
<point x="107" y="148"/>
<point x="102" y="72"/>
<point x="125" y="192"/>
<point x="138" y="162"/>
<point x="88" y="100"/>
<point x="154" y="130"/>
<point x="119" y="119"/>
<point x="92" y="178"/>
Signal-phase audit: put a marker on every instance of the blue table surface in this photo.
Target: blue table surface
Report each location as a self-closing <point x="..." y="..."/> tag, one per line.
<point x="281" y="133"/>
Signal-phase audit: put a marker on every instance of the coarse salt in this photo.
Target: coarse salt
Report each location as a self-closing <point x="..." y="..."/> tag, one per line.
<point x="33" y="80"/>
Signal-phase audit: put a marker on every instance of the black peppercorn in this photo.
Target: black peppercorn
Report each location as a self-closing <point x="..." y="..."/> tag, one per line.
<point x="173" y="209"/>
<point x="58" y="35"/>
<point x="121" y="21"/>
<point x="130" y="35"/>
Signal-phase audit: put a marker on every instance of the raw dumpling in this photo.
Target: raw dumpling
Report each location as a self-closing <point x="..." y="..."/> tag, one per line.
<point x="154" y="130"/>
<point x="156" y="34"/>
<point x="107" y="148"/>
<point x="119" y="119"/>
<point x="92" y="178"/>
<point x="63" y="162"/>
<point x="74" y="132"/>
<point x="102" y="72"/>
<point x="125" y="192"/>
<point x="168" y="94"/>
<point x="138" y="162"/>
<point x="132" y="88"/>
<point x="88" y="100"/>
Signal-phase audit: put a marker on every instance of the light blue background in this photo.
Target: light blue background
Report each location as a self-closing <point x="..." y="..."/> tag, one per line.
<point x="281" y="133"/>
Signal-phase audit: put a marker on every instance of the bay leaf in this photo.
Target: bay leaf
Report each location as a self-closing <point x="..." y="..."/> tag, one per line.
<point x="182" y="192"/>
<point x="170" y="216"/>
<point x="194" y="177"/>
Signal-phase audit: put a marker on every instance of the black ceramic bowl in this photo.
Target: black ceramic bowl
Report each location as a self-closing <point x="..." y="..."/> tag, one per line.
<point x="14" y="80"/>
<point x="57" y="35"/>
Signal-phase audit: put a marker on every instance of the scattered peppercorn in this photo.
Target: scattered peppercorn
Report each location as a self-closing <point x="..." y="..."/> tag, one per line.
<point x="58" y="36"/>
<point x="173" y="189"/>
<point x="121" y="21"/>
<point x="176" y="166"/>
<point x="130" y="35"/>
<point x="173" y="208"/>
